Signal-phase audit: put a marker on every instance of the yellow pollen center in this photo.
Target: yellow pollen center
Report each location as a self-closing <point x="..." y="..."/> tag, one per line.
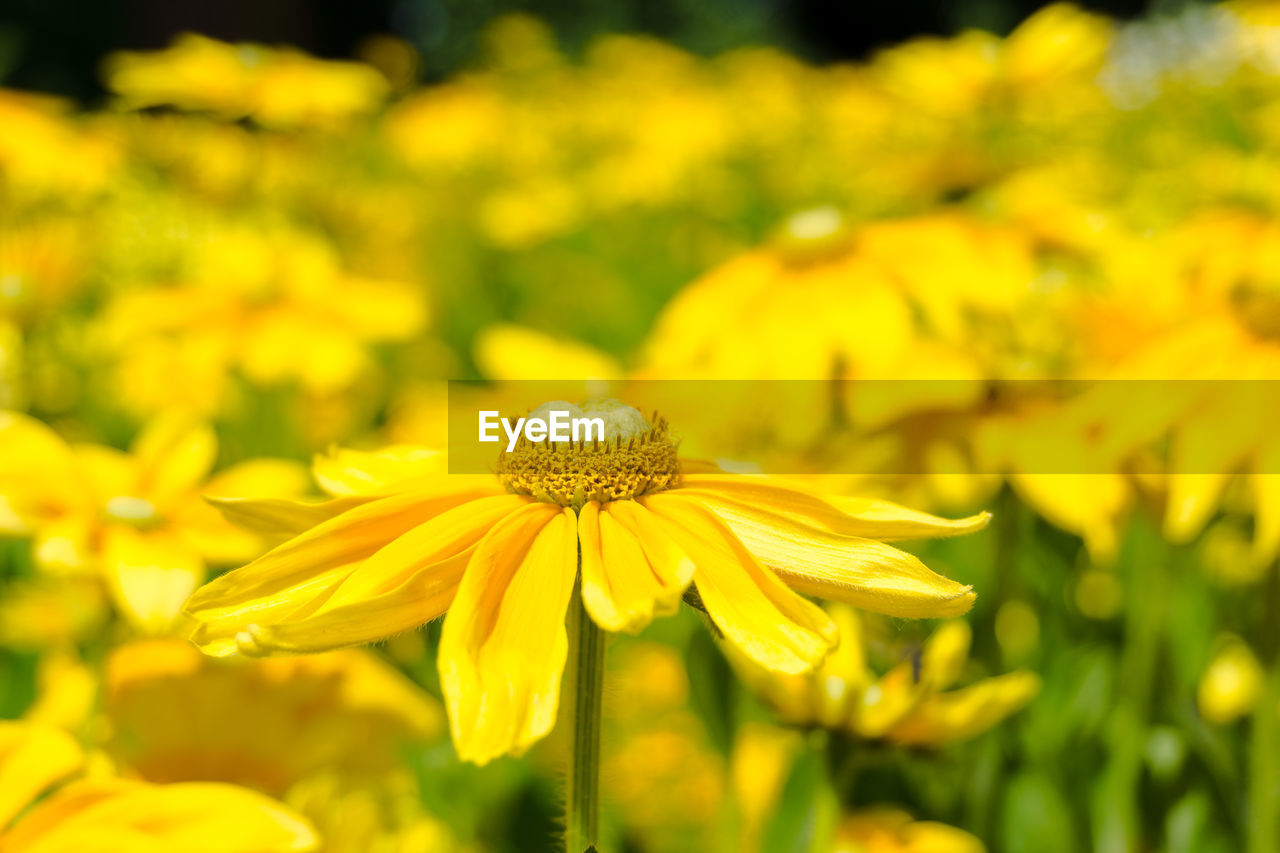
<point x="628" y="462"/>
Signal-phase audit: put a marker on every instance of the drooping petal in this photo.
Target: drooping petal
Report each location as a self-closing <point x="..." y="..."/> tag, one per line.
<point x="32" y="757"/>
<point x="504" y="643"/>
<point x="401" y="587"/>
<point x="620" y="589"/>
<point x="755" y="610"/>
<point x="866" y="518"/>
<point x="818" y="561"/>
<point x="97" y="816"/>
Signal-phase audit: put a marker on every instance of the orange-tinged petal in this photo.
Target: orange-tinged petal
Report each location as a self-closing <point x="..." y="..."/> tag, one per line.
<point x="504" y="643"/>
<point x="195" y="817"/>
<point x="342" y="540"/>
<point x="32" y="757"/>
<point x="620" y="589"/>
<point x="401" y="587"/>
<point x="751" y="606"/>
<point x="837" y="566"/>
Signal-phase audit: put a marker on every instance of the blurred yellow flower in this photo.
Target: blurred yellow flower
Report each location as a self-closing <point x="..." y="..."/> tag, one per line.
<point x="276" y="87"/>
<point x="1232" y="683"/>
<point x="135" y="519"/>
<point x="323" y="733"/>
<point x="102" y="814"/>
<point x="277" y="305"/>
<point x="891" y="830"/>
<point x="645" y="527"/>
<point x="910" y="704"/>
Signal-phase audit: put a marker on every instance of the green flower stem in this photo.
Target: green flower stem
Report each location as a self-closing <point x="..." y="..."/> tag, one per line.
<point x="586" y="655"/>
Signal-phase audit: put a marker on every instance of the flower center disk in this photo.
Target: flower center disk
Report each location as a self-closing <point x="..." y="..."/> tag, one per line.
<point x="636" y="456"/>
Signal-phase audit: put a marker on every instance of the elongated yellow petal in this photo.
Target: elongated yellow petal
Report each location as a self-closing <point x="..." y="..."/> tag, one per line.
<point x="195" y="817"/>
<point x="347" y="538"/>
<point x="960" y="714"/>
<point x="836" y="566"/>
<point x="280" y="518"/>
<point x="405" y="607"/>
<point x="32" y="757"/>
<point x="504" y="643"/>
<point x="620" y="589"/>
<point x="863" y="517"/>
<point x="756" y="611"/>
<point x="401" y="587"/>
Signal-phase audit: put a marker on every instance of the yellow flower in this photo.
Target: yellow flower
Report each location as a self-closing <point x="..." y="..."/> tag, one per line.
<point x="501" y="555"/>
<point x="277" y="305"/>
<point x="137" y="518"/>
<point x="177" y="715"/>
<point x="910" y="704"/>
<point x="44" y="152"/>
<point x="278" y="88"/>
<point x="323" y="733"/>
<point x="1230" y="686"/>
<point x="107" y="814"/>
<point x="891" y="830"/>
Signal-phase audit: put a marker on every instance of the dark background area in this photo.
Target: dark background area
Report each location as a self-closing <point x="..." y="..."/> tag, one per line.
<point x="58" y="45"/>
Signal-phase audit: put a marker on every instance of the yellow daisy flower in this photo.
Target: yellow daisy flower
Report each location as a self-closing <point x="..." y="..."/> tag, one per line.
<point x="136" y="518"/>
<point x="96" y="815"/>
<point x="501" y="555"/>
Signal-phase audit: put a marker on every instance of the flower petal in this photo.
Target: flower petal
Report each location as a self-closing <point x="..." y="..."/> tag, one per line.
<point x="400" y="588"/>
<point x="280" y="518"/>
<point x="835" y="565"/>
<point x="174" y="455"/>
<point x="32" y="757"/>
<point x="150" y="575"/>
<point x="964" y="713"/>
<point x="322" y="551"/>
<point x="620" y="589"/>
<point x="755" y="610"/>
<point x="866" y="518"/>
<point x="504" y="643"/>
<point x="196" y="817"/>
